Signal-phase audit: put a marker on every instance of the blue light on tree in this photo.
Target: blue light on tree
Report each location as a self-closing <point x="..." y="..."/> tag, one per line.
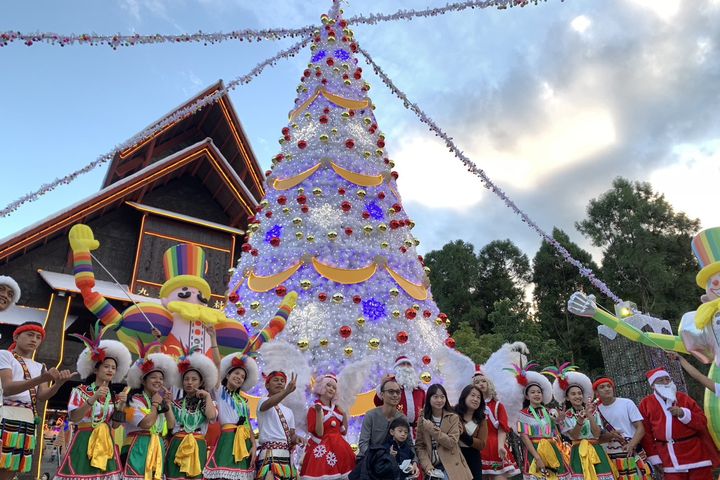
<point x="373" y="309"/>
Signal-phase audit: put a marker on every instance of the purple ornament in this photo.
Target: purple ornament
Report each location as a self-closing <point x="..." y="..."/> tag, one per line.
<point x="375" y="211"/>
<point x="341" y="54"/>
<point x="373" y="309"/>
<point x="318" y="56"/>
<point x="274" y="232"/>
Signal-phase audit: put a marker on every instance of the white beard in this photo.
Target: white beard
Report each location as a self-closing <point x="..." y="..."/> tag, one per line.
<point x="407" y="378"/>
<point x="668" y="392"/>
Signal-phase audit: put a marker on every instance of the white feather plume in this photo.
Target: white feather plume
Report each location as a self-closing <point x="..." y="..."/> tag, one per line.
<point x="281" y="356"/>
<point x="506" y="386"/>
<point x="351" y="380"/>
<point x="456" y="369"/>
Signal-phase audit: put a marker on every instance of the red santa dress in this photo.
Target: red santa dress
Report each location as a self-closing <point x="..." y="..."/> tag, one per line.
<point x="680" y="444"/>
<point x="492" y="464"/>
<point x="329" y="457"/>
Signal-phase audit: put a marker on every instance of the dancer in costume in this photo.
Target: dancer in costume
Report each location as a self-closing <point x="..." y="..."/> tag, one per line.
<point x="676" y="432"/>
<point x="9" y="292"/>
<point x="149" y="416"/>
<point x="187" y="452"/>
<point x="25" y="382"/>
<point x="277" y="429"/>
<point x="92" y="454"/>
<point x="581" y="423"/>
<point x="233" y="456"/>
<point x="497" y="458"/>
<point x="538" y="429"/>
<point x="474" y="429"/>
<point x="328" y="455"/>
<point x="622" y="422"/>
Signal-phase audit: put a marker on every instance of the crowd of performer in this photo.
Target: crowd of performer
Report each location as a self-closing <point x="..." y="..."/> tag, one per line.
<point x="570" y="427"/>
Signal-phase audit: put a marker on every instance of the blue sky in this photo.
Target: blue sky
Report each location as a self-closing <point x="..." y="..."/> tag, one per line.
<point x="553" y="100"/>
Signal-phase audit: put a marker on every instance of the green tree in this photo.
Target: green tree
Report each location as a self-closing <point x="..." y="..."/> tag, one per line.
<point x="646" y="248"/>
<point x="555" y="280"/>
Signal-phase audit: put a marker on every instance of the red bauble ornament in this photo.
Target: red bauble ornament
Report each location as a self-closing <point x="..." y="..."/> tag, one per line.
<point x="287" y="138"/>
<point x="268" y="214"/>
<point x="342" y="23"/>
<point x="380" y="143"/>
<point x="281" y="291"/>
<point x="275" y="242"/>
<point x="301" y="199"/>
<point x="426" y="360"/>
<point x="241" y="311"/>
<point x="326" y="110"/>
<point x="397" y="207"/>
<point x="394" y="174"/>
<point x="254" y="252"/>
<point x="330" y="62"/>
<point x="402" y="337"/>
<point x="258" y="209"/>
<point x="345" y="76"/>
<point x="318" y="72"/>
<point x="322" y="296"/>
<point x="302" y="144"/>
<point x="353" y="47"/>
<point x="348" y="231"/>
<point x="442" y="317"/>
<point x="286" y="131"/>
<point x="356" y="299"/>
<point x="403" y="249"/>
<point x="357" y="75"/>
<point x="346" y="206"/>
<point x="410" y="314"/>
<point x="268" y="173"/>
<point x="324" y="119"/>
<point x="394" y="224"/>
<point x="351" y="113"/>
<point x="306" y="73"/>
<point x="450" y="342"/>
<point x="233" y="297"/>
<point x="345" y="331"/>
<point x="304" y="209"/>
<point x="282" y="199"/>
<point x="366" y="215"/>
<point x="246" y="247"/>
<point x="381" y="195"/>
<point x="350" y="143"/>
<point x="341" y="191"/>
<point x="427" y="313"/>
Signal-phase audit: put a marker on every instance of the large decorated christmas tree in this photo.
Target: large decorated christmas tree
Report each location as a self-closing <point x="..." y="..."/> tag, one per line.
<point x="333" y="228"/>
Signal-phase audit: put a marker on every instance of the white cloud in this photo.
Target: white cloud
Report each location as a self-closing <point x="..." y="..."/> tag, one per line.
<point x="580" y="23"/>
<point x="665" y="9"/>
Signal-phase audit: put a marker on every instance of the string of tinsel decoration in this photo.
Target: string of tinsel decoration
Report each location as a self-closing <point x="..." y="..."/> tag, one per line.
<point x="487" y="182"/>
<point x="150" y="131"/>
<point x="250" y="35"/>
<point x="116" y="41"/>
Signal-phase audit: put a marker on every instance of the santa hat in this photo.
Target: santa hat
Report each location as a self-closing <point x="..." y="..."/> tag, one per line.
<point x="97" y="350"/>
<point x="402" y="359"/>
<point x="656" y="374"/>
<point x="478" y="371"/>
<point x="199" y="362"/>
<point x="248" y="364"/>
<point x="10" y="282"/>
<point x="565" y="378"/>
<point x="148" y="363"/>
<point x="527" y="377"/>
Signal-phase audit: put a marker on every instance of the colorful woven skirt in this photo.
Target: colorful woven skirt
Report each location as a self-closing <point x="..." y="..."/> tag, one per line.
<point x="136" y="456"/>
<point x="222" y="464"/>
<point x="17" y="431"/>
<point x="172" y="470"/>
<point x="281" y="466"/>
<point x="560" y="473"/>
<point x="603" y="470"/>
<point x="632" y="468"/>
<point x="77" y="464"/>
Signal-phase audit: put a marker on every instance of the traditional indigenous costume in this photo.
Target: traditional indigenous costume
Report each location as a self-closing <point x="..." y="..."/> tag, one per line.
<point x="92" y="454"/>
<point x="230" y="458"/>
<point x="330" y="456"/>
<point x="588" y="459"/>
<point x="20" y="418"/>
<point x="541" y="429"/>
<point x="619" y="417"/>
<point x="187" y="452"/>
<point x="492" y="464"/>
<point x="275" y="440"/>
<point x="146" y="450"/>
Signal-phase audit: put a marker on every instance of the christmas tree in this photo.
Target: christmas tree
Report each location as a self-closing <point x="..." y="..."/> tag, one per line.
<point x="332" y="227"/>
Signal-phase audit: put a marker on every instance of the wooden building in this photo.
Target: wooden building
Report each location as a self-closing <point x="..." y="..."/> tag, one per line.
<point x="195" y="181"/>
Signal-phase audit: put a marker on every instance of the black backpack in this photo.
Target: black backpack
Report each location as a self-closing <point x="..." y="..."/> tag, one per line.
<point x="377" y="464"/>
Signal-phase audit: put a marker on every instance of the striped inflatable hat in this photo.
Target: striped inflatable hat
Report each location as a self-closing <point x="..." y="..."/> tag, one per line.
<point x="706" y="248"/>
<point x="184" y="266"/>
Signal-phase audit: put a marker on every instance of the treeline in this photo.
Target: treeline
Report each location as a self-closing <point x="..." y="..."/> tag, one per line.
<point x="497" y="295"/>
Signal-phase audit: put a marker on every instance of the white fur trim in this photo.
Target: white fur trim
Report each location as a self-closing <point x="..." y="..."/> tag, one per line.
<point x="252" y="372"/>
<point x="205" y="367"/>
<point x="402" y="359"/>
<point x="10" y="282"/>
<point x="687" y="416"/>
<point x="574" y="379"/>
<point x="113" y="349"/>
<point x="659" y="374"/>
<point x="537" y="378"/>
<point x="162" y="362"/>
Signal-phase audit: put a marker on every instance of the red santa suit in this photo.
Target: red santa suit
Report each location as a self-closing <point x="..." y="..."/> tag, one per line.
<point x="411" y="409"/>
<point x="683" y="445"/>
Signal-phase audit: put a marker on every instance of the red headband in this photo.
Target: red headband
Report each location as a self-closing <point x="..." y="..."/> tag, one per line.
<point x="601" y="381"/>
<point x="26" y="328"/>
<point x="274" y="374"/>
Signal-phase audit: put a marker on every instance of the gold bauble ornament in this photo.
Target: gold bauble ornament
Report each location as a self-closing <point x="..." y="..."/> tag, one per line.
<point x="332" y="235"/>
<point x="347" y="81"/>
<point x="384" y="245"/>
<point x="427" y="269"/>
<point x="338" y="297"/>
<point x="324" y="138"/>
<point x="310" y="238"/>
<point x="379" y="152"/>
<point x="255" y="305"/>
<point x="299" y="235"/>
<point x="308" y="115"/>
<point x="324" y="342"/>
<point x="394" y="292"/>
<point x="408" y="243"/>
<point x="317" y="191"/>
<point x="374" y="343"/>
<point x="301" y="190"/>
<point x="348" y="351"/>
<point x="297" y="221"/>
<point x="367" y="154"/>
<point x="382" y="227"/>
<point x="334" y="131"/>
<point x="396" y="313"/>
<point x="345" y="115"/>
<point x="426" y="377"/>
<point x="361" y="193"/>
<point x="303" y="343"/>
<point x="286" y="210"/>
<point x="255" y="323"/>
<point x="368" y="229"/>
<point x="416" y="307"/>
<point x="391" y="164"/>
<point x="360" y="321"/>
<point x="305" y="284"/>
<point x="355" y="448"/>
<point x="367" y="121"/>
<point x="416" y="241"/>
<point x="264" y="203"/>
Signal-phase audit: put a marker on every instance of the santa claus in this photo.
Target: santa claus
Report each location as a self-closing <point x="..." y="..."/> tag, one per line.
<point x="676" y="434"/>
<point x="413" y="396"/>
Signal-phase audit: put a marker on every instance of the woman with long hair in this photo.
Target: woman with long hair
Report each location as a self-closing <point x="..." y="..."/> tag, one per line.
<point x="328" y="455"/>
<point x="193" y="411"/>
<point x="581" y="423"/>
<point x="498" y="462"/>
<point x="438" y="433"/>
<point x="148" y="416"/>
<point x="92" y="454"/>
<point x="474" y="429"/>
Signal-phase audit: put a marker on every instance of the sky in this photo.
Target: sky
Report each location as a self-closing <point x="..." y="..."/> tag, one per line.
<point x="553" y="101"/>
